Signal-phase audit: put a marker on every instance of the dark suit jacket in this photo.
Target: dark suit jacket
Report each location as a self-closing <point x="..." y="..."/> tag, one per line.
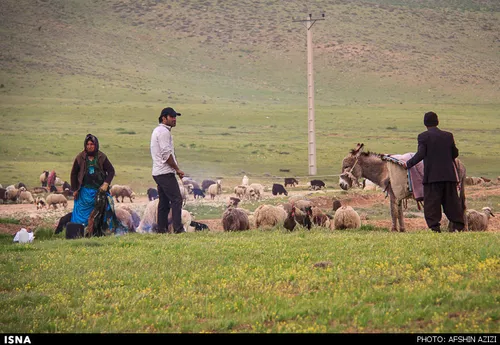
<point x="437" y="149"/>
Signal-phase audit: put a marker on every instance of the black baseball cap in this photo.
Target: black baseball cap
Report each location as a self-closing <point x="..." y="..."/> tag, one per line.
<point x="169" y="111"/>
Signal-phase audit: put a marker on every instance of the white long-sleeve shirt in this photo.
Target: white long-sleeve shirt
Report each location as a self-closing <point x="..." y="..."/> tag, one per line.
<point x="162" y="146"/>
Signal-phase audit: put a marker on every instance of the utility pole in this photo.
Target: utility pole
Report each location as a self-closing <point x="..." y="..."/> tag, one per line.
<point x="309" y="22"/>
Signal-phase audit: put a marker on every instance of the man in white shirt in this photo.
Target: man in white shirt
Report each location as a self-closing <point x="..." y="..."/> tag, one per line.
<point x="164" y="170"/>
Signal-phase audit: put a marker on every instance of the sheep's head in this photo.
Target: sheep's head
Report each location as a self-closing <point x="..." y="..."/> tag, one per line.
<point x="488" y="211"/>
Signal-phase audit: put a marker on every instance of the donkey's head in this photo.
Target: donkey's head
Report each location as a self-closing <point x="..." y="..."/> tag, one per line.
<point x="351" y="170"/>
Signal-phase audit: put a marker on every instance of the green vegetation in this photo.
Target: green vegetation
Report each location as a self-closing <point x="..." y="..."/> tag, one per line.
<point x="254" y="281"/>
<point x="238" y="73"/>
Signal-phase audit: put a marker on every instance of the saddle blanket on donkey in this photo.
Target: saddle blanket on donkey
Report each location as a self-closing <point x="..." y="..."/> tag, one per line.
<point x="406" y="183"/>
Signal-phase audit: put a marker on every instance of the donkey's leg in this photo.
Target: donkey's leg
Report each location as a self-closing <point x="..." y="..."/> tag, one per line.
<point x="394" y="210"/>
<point x="401" y="218"/>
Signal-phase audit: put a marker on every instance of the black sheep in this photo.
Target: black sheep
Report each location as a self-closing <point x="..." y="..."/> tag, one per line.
<point x="279" y="189"/>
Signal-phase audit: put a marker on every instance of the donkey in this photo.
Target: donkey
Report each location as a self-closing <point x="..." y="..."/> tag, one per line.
<point x="358" y="164"/>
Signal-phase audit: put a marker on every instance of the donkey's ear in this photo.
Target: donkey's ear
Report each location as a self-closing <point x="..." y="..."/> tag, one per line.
<point x="358" y="149"/>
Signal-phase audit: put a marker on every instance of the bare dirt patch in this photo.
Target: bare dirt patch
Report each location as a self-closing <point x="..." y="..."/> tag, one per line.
<point x="31" y="218"/>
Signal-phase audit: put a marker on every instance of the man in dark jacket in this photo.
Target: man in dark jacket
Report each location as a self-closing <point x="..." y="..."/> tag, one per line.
<point x="437" y="149"/>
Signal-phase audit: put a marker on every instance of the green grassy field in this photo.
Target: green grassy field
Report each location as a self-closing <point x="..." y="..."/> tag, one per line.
<point x="367" y="281"/>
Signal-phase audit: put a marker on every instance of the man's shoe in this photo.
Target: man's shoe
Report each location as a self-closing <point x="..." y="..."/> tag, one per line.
<point x="180" y="232"/>
<point x="436" y="229"/>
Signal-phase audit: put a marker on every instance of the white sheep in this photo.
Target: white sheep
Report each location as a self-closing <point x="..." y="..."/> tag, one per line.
<point x="478" y="221"/>
<point x="268" y="216"/>
<point x="346" y="218"/>
<point x="186" y="219"/>
<point x="240" y="191"/>
<point x="244" y="181"/>
<point x="12" y="194"/>
<point x="215" y="189"/>
<point x="258" y="189"/>
<point x="26" y="196"/>
<point x="55" y="199"/>
<point x="123" y="191"/>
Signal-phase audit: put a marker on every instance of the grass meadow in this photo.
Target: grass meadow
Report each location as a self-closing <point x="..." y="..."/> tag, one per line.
<point x="236" y="70"/>
<point x="363" y="281"/>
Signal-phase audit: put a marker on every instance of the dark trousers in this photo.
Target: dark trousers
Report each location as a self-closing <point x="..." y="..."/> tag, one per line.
<point x="445" y="194"/>
<point x="169" y="196"/>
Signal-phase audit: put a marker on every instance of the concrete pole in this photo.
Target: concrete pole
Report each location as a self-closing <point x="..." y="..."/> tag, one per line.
<point x="310" y="101"/>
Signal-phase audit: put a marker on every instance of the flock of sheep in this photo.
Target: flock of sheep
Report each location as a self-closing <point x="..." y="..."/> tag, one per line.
<point x="298" y="210"/>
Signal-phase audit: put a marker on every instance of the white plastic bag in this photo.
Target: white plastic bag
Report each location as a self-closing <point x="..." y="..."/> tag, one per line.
<point x="23" y="236"/>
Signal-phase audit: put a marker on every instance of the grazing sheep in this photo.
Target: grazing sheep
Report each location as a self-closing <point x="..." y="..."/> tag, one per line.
<point x="20" y="185"/>
<point x="346" y="218"/>
<point x="255" y="191"/>
<point x="316" y="184"/>
<point x="55" y="199"/>
<point x="268" y="216"/>
<point x="233" y="201"/>
<point x="478" y="221"/>
<point x="26" y="196"/>
<point x="469" y="181"/>
<point x="319" y="217"/>
<point x="215" y="189"/>
<point x="235" y="219"/>
<point x="198" y="193"/>
<point x="40" y="203"/>
<point x="336" y="205"/>
<point x="290" y="181"/>
<point x="302" y="204"/>
<point x="240" y="191"/>
<point x="123" y="191"/>
<point x="244" y="181"/>
<point x="279" y="189"/>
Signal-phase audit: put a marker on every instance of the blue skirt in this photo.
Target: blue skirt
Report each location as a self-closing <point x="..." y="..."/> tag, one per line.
<point x="84" y="205"/>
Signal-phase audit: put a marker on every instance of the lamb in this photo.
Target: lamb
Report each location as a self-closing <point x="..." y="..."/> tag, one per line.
<point x="55" y="199"/>
<point x="290" y="181"/>
<point x="346" y="218"/>
<point x="198" y="193"/>
<point x="198" y="226"/>
<point x="26" y="196"/>
<point x="268" y="216"/>
<point x="123" y="191"/>
<point x="215" y="189"/>
<point x="478" y="221"/>
<point x="240" y="191"/>
<point x="235" y="219"/>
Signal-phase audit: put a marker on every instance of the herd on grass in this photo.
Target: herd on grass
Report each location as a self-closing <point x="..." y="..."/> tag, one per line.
<point x="359" y="169"/>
